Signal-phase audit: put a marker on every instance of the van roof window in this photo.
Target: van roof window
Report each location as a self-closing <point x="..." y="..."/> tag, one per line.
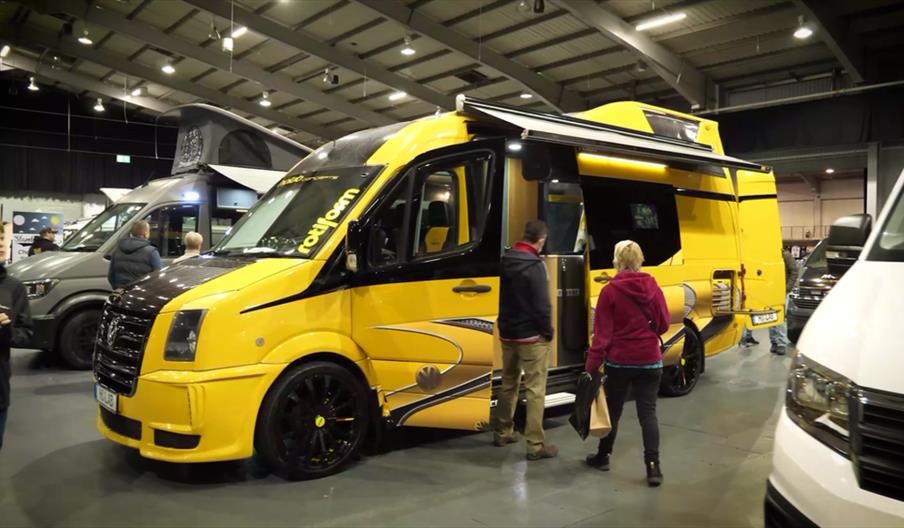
<point x="352" y="150"/>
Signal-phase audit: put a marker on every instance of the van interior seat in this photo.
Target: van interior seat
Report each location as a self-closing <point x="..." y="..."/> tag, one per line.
<point x="438" y="227"/>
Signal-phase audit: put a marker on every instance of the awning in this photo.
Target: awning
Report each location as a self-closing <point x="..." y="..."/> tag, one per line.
<point x="597" y="137"/>
<point x="114" y="193"/>
<point x="259" y="180"/>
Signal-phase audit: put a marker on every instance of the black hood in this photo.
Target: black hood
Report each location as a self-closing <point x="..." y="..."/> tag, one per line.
<point x="516" y="260"/>
<point x="131" y="245"/>
<point x="149" y="295"/>
<point x="815" y="277"/>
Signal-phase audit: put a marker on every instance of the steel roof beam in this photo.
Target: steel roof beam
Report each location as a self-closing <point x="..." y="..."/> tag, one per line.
<point x="317" y="47"/>
<point x="682" y="76"/>
<point x="546" y="89"/>
<point x="151" y="35"/>
<point x="67" y="46"/>
<point x="834" y="31"/>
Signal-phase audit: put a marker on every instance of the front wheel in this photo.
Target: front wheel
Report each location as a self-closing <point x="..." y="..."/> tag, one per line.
<point x="76" y="342"/>
<point x="681" y="378"/>
<point x="313" y="421"/>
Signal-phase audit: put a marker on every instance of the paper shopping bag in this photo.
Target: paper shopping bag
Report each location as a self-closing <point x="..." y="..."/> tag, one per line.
<point x="600" y="425"/>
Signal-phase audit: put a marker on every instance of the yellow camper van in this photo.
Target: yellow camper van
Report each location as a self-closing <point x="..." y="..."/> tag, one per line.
<point x="362" y="290"/>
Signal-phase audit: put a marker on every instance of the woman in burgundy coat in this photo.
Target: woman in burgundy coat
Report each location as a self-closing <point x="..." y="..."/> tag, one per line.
<point x="631" y="313"/>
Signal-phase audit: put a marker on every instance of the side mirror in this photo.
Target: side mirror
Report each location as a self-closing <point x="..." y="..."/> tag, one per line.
<point x="845" y="242"/>
<point x="353" y="239"/>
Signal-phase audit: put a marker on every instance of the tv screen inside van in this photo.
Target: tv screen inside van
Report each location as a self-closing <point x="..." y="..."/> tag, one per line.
<point x="645" y="216"/>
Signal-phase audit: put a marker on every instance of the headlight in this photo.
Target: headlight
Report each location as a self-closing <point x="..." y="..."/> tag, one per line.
<point x="818" y="400"/>
<point x="39" y="288"/>
<point x="182" y="342"/>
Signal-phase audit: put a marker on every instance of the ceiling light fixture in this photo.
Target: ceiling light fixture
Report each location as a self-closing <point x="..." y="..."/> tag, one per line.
<point x="85" y="38"/>
<point x="265" y="101"/>
<point x="140" y="91"/>
<point x="99" y="107"/>
<point x="830" y="171"/>
<point x="32" y="85"/>
<point x="524" y="6"/>
<point x="526" y="95"/>
<point x="408" y="50"/>
<point x="168" y="68"/>
<point x="803" y="31"/>
<point x="239" y="31"/>
<point x="395" y="96"/>
<point x="228" y="44"/>
<point x="4" y="51"/>
<point x="660" y="21"/>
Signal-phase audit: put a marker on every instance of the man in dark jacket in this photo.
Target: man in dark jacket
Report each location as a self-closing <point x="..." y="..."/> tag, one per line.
<point x="15" y="322"/>
<point x="778" y="335"/>
<point x="525" y="327"/>
<point x="134" y="257"/>
<point x="43" y="242"/>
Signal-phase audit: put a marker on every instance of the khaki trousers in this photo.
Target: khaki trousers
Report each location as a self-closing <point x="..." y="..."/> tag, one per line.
<point x="533" y="360"/>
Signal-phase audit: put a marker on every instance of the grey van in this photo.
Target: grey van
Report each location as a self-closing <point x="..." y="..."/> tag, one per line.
<point x="222" y="164"/>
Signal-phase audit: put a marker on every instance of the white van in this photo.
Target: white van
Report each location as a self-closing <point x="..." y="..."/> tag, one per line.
<point x="839" y="444"/>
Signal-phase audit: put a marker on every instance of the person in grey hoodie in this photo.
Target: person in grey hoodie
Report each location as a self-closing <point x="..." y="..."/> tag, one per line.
<point x="134" y="257"/>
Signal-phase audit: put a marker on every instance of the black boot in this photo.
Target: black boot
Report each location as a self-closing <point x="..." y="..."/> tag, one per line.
<point x="598" y="461"/>
<point x="654" y="474"/>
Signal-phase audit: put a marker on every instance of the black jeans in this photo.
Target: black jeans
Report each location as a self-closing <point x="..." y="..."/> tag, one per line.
<point x="645" y="383"/>
<point x="3" y="413"/>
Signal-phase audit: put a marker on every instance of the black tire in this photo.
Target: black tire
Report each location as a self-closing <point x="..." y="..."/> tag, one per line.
<point x="313" y="421"/>
<point x="77" y="337"/>
<point x="681" y="378"/>
<point x="794" y="334"/>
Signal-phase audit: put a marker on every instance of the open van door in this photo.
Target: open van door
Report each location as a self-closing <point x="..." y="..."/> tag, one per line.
<point x="763" y="269"/>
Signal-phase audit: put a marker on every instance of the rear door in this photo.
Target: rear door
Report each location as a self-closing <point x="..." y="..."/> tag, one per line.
<point x="763" y="278"/>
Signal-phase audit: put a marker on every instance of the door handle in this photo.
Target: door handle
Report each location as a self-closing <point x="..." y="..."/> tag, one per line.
<point x="477" y="288"/>
<point x="602" y="278"/>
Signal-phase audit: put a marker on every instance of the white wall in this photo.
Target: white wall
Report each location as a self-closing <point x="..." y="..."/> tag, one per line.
<point x="803" y="210"/>
<point x="72" y="206"/>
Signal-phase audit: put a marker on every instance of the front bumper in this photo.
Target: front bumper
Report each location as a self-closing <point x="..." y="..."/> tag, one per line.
<point x="186" y="416"/>
<point x="779" y="513"/>
<point x="821" y="485"/>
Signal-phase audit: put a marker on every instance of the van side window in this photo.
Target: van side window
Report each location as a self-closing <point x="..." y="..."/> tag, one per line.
<point x="619" y="210"/>
<point x="169" y="224"/>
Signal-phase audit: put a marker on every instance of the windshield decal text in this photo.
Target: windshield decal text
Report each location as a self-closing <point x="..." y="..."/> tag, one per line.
<point x="301" y="177"/>
<point x="327" y="222"/>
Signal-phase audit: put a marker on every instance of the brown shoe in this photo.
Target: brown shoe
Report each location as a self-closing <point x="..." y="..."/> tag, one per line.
<point x="502" y="441"/>
<point x="547" y="451"/>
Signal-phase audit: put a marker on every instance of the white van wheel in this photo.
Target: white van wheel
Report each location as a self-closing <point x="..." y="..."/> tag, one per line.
<point x="77" y="337"/>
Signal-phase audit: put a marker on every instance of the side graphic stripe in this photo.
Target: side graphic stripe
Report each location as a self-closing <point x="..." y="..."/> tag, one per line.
<point x="400" y="415"/>
<point x="461" y="352"/>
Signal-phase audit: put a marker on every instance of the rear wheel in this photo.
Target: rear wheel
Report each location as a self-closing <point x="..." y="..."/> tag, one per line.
<point x="681" y="378"/>
<point x="77" y="336"/>
<point x="313" y="421"/>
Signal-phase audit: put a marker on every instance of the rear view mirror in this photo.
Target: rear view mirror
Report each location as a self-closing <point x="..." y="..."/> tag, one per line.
<point x="847" y="236"/>
<point x="353" y="240"/>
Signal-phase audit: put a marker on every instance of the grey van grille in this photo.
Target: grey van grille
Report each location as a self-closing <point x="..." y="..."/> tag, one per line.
<point x="878" y="443"/>
<point x="118" y="349"/>
<point x="807" y="298"/>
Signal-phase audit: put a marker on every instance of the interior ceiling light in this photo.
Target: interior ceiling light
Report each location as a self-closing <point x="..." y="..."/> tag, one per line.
<point x="526" y="95"/>
<point x="640" y="67"/>
<point x="168" y="68"/>
<point x="85" y="38"/>
<point x="140" y="91"/>
<point x="830" y="171"/>
<point x="407" y="49"/>
<point x="395" y="96"/>
<point x="524" y="6"/>
<point x="4" y="51"/>
<point x="32" y="85"/>
<point x="99" y="107"/>
<point x="228" y="44"/>
<point x="803" y="31"/>
<point x="239" y="31"/>
<point x="265" y="101"/>
<point x="660" y="21"/>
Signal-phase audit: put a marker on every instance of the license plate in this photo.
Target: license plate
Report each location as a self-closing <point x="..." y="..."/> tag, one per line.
<point x="106" y="398"/>
<point x="765" y="318"/>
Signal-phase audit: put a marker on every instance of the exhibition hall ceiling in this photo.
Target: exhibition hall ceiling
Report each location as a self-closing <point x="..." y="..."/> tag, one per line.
<point x="319" y="69"/>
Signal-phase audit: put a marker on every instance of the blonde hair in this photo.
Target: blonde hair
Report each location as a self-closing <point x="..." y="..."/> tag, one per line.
<point x="193" y="240"/>
<point x="628" y="256"/>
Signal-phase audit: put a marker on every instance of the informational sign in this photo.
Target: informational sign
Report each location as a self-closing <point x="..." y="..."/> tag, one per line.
<point x="27" y="225"/>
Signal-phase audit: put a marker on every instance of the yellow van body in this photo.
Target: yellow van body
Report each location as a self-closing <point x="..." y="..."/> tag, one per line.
<point x="423" y="347"/>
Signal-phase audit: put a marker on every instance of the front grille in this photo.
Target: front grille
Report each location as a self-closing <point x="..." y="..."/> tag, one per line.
<point x="807" y="298"/>
<point x="118" y="349"/>
<point x="878" y="443"/>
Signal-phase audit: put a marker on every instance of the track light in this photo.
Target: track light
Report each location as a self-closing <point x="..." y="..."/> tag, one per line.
<point x="168" y="68"/>
<point x="99" y="107"/>
<point x="660" y="21"/>
<point x="803" y="31"/>
<point x="407" y="50"/>
<point x="238" y="32"/>
<point x="4" y="51"/>
<point x="228" y="44"/>
<point x="139" y="92"/>
<point x="32" y="85"/>
<point x="524" y="6"/>
<point x="85" y="38"/>
<point x="395" y="96"/>
<point x="328" y="78"/>
<point x="265" y="101"/>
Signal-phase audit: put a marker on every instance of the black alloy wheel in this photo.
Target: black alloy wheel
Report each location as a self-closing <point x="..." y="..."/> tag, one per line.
<point x="681" y="378"/>
<point x="77" y="338"/>
<point x="313" y="421"/>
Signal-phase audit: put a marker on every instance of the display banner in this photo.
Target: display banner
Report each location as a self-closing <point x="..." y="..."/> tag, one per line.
<point x="27" y="225"/>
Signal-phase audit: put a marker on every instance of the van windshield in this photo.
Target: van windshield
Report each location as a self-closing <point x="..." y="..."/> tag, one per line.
<point x="102" y="227"/>
<point x="817" y="259"/>
<point x="298" y="215"/>
<point x="889" y="247"/>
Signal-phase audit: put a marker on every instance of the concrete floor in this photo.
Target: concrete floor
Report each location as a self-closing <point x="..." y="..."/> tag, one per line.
<point x="55" y="470"/>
